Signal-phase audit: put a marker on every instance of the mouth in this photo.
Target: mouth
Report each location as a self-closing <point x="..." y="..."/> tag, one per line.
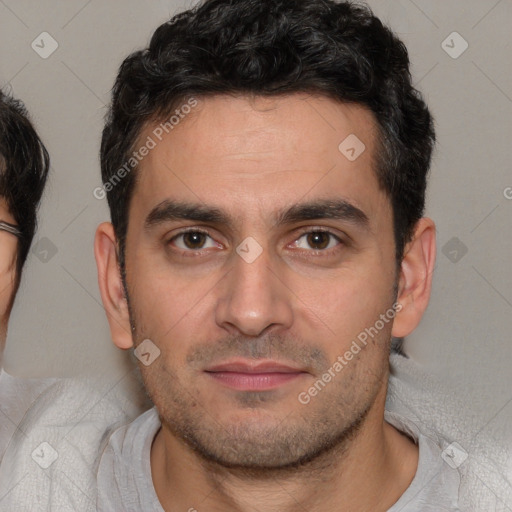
<point x="254" y="375"/>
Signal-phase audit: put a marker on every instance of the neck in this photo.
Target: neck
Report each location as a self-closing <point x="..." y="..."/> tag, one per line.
<point x="367" y="471"/>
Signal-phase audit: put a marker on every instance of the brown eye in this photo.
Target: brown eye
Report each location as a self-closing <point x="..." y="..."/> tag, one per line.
<point x="192" y="241"/>
<point x="318" y="240"/>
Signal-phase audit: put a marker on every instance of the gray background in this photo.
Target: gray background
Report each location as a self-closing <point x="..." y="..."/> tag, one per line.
<point x="58" y="326"/>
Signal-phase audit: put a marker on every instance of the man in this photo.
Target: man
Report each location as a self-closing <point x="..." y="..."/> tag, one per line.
<point x="265" y="165"/>
<point x="51" y="429"/>
<point x="24" y="164"/>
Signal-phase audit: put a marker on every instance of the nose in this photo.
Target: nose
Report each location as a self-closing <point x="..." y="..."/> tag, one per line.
<point x="253" y="299"/>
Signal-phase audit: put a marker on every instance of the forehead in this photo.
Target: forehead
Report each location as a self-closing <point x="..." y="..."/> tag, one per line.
<point x="254" y="154"/>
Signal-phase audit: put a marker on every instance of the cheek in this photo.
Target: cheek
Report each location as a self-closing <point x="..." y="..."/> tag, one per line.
<point x="347" y="306"/>
<point x="7" y="274"/>
<point x="6" y="292"/>
<point x="348" y="297"/>
<point x="168" y="306"/>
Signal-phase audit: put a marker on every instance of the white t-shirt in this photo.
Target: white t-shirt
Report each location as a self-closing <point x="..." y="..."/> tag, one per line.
<point x="125" y="482"/>
<point x="52" y="432"/>
<point x="16" y="397"/>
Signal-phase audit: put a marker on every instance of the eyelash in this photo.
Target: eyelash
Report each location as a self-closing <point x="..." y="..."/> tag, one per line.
<point x="314" y="252"/>
<point x="189" y="253"/>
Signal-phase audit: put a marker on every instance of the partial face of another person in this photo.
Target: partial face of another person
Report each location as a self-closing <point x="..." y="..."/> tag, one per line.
<point x="8" y="251"/>
<point x="24" y="165"/>
<point x="254" y="241"/>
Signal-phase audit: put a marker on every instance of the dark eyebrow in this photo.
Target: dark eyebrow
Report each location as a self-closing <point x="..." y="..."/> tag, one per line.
<point x="338" y="209"/>
<point x="174" y="210"/>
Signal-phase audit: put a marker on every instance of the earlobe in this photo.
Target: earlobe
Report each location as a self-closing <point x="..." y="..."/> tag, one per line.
<point x="111" y="286"/>
<point x="415" y="280"/>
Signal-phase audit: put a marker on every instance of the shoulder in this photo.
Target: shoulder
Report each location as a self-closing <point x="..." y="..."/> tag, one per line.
<point x="436" y="484"/>
<point x="51" y="458"/>
<point x="124" y="469"/>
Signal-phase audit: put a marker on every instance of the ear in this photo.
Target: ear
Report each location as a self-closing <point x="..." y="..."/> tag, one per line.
<point x="415" y="280"/>
<point x="111" y="286"/>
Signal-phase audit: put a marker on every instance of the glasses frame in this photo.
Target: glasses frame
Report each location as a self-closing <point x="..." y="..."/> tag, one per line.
<point x="10" y="228"/>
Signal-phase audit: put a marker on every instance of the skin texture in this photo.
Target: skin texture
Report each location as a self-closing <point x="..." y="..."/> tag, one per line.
<point x="301" y="302"/>
<point x="8" y="248"/>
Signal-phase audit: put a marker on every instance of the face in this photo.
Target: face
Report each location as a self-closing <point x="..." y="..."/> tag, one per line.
<point x="8" y="249"/>
<point x="257" y="254"/>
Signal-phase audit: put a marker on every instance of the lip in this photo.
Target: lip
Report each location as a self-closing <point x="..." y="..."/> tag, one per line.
<point x="266" y="366"/>
<point x="254" y="376"/>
